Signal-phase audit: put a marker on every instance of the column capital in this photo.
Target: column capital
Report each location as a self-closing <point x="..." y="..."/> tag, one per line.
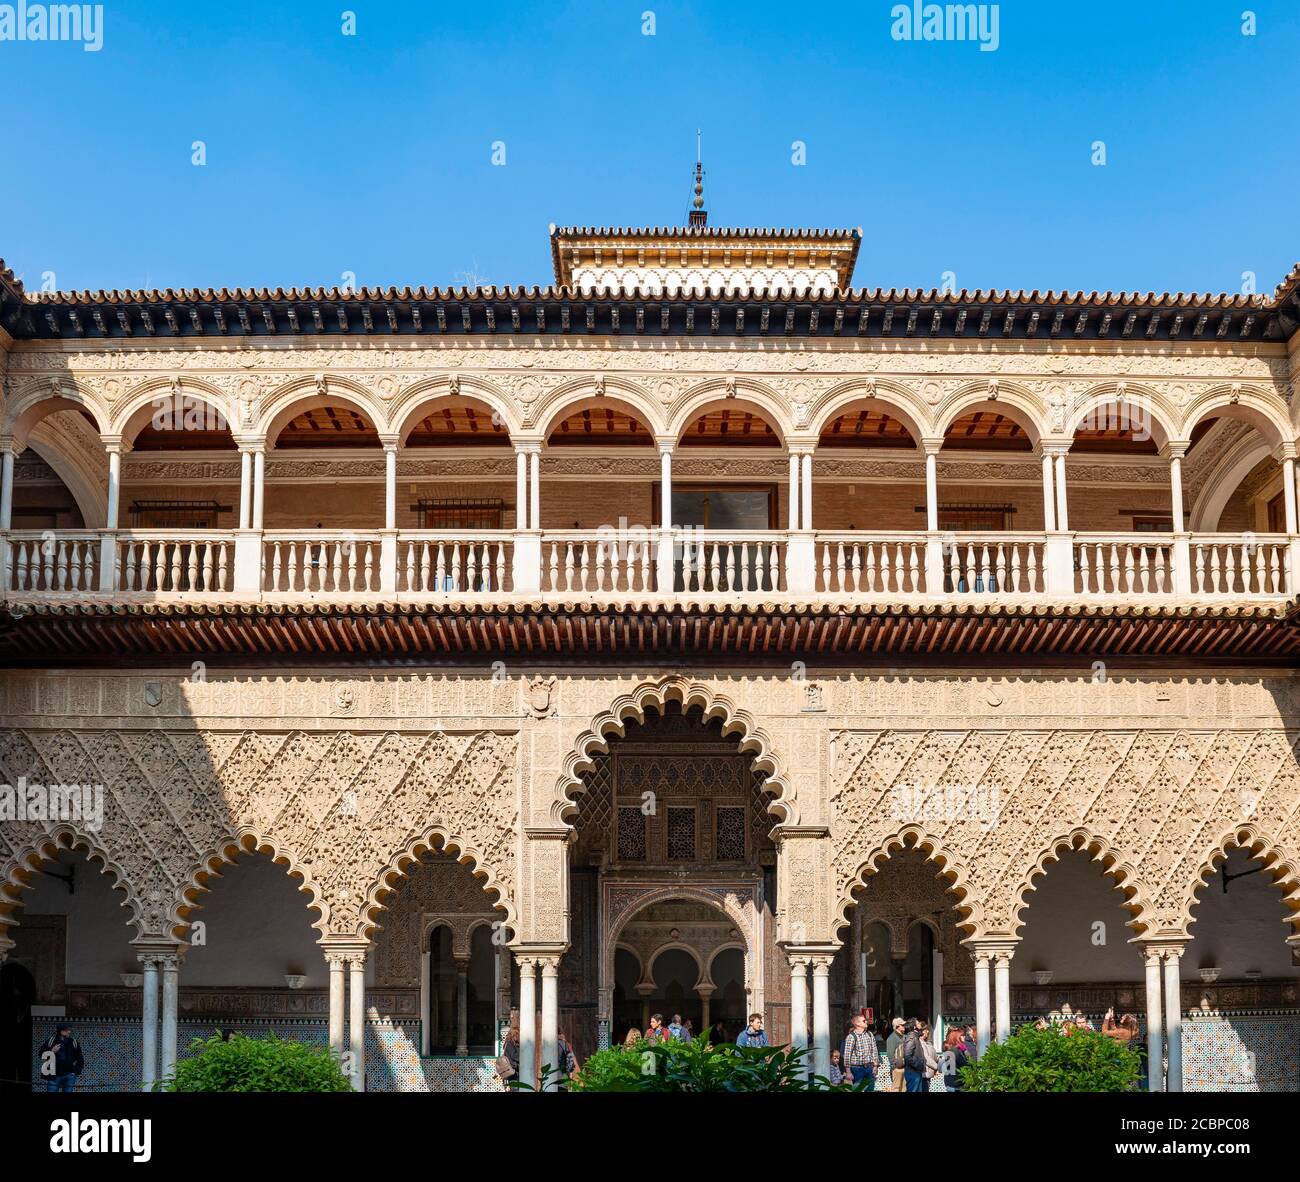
<point x="550" y="965"/>
<point x="11" y="444"/>
<point x="527" y="964"/>
<point x="1053" y="447"/>
<point x="158" y="950"/>
<point x="996" y="950"/>
<point x="115" y="444"/>
<point x="390" y="441"/>
<point x="931" y="445"/>
<point x="252" y="444"/>
<point x="801" y="447"/>
<point x="1286" y="450"/>
<point x="337" y="960"/>
<point x="1163" y="946"/>
<point x="666" y="444"/>
<point x="528" y="447"/>
<point x="798" y="962"/>
<point x="1175" y="449"/>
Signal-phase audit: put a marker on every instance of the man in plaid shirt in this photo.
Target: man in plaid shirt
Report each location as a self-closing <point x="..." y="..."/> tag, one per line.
<point x="860" y="1056"/>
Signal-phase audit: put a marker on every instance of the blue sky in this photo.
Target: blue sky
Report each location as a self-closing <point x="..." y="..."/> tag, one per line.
<point x="372" y="153"/>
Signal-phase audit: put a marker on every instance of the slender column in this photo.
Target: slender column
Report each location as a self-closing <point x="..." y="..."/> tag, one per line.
<point x="1176" y="453"/>
<point x="259" y="487"/>
<point x="337" y="991"/>
<point x="527" y="1021"/>
<point x="245" y="491"/>
<point x="936" y="999"/>
<point x="705" y="1024"/>
<point x="462" y="1006"/>
<point x="1155" y="1030"/>
<point x="982" y="1022"/>
<point x="931" y="490"/>
<point x="805" y="494"/>
<point x="1049" y="493"/>
<point x="551" y="1018"/>
<point x="1002" y="984"/>
<point x="799" y="1001"/>
<point x="793" y="491"/>
<point x="149" y="1022"/>
<point x="171" y="966"/>
<point x="7" y="451"/>
<point x="357" y="1019"/>
<point x="114" y="484"/>
<point x="821" y="970"/>
<point x="664" y="565"/>
<point x="1288" y="492"/>
<point x="1174" y="1020"/>
<point x="390" y="486"/>
<point x="535" y="489"/>
<point x="521" y="489"/>
<point x="1062" y="510"/>
<point x="426" y="1006"/>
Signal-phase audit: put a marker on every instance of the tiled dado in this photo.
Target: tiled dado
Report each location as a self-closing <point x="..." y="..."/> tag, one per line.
<point x="393" y="1064"/>
<point x="1242" y="1053"/>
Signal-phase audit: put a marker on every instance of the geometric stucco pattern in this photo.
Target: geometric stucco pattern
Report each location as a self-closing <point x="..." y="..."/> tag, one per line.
<point x="993" y="808"/>
<point x="344" y="811"/>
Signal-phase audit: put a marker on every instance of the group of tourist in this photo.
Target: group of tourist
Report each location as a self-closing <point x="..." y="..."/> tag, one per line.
<point x="1123" y="1031"/>
<point x="907" y="1053"/>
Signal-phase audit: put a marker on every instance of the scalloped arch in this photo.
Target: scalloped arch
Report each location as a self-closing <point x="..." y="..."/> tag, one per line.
<point x="910" y="409"/>
<point x="1112" y="864"/>
<point x="619" y="391"/>
<point x="1283" y="868"/>
<point x="227" y="853"/>
<point x="968" y="908"/>
<point x="668" y="894"/>
<point x="711" y="394"/>
<point x="429" y="391"/>
<point x="1264" y="411"/>
<point x="1028" y="409"/>
<point x="435" y="839"/>
<point x="13" y="874"/>
<point x="594" y="741"/>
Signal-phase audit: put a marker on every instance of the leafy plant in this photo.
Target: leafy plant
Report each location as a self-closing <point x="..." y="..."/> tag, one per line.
<point x="244" y="1064"/>
<point x="698" y="1066"/>
<point x="1034" y="1060"/>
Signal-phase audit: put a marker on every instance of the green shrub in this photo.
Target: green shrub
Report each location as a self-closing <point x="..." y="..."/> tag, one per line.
<point x="1034" y="1060"/>
<point x="256" y="1065"/>
<point x="697" y="1066"/>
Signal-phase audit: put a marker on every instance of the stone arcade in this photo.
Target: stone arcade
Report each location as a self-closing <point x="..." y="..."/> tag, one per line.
<point x="700" y="634"/>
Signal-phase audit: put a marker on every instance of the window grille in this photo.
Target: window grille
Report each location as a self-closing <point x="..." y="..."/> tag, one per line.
<point x="681" y="834"/>
<point x="631" y="835"/>
<point x="176" y="514"/>
<point x="731" y="834"/>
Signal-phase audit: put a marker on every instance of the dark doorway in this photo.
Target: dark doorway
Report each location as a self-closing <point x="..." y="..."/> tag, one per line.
<point x="17" y="993"/>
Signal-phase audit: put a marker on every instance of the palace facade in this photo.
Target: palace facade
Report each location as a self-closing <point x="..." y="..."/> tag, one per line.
<point x="700" y="634"/>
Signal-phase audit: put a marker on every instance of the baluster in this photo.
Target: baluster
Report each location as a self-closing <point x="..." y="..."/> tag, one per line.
<point x="1259" y="584"/>
<point x="191" y="567"/>
<point x="1215" y="570"/>
<point x="1274" y="583"/>
<point x="500" y="582"/>
<point x="74" y="565"/>
<point x="220" y="585"/>
<point x="18" y="560"/>
<point x="88" y="568"/>
<point x="711" y="582"/>
<point x="439" y="559"/>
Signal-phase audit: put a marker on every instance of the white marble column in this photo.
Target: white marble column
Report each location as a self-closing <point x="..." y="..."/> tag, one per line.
<point x="1288" y="492"/>
<point x="1062" y="504"/>
<point x="932" y="486"/>
<point x="799" y="1002"/>
<point x="390" y="487"/>
<point x="114" y="484"/>
<point x="149" y="1022"/>
<point x="806" y="492"/>
<point x="792" y="494"/>
<point x="983" y="1021"/>
<point x="1049" y="493"/>
<point x="821" y="1020"/>
<point x="521" y="488"/>
<point x="1176" y="453"/>
<point x="357" y="1019"/>
<point x="426" y="1005"/>
<point x="1002" y="989"/>
<point x="171" y="967"/>
<point x="338" y="990"/>
<point x="527" y="1021"/>
<point x="1155" y="1027"/>
<point x="245" y="488"/>
<point x="8" y="449"/>
<point x="1173" y="1020"/>
<point x="462" y="1007"/>
<point x="259" y="487"/>
<point x="550" y="966"/>
<point x="535" y="489"/>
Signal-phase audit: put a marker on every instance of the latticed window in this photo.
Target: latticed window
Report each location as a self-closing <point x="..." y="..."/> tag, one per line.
<point x="681" y="834"/>
<point x="631" y="835"/>
<point x="731" y="834"/>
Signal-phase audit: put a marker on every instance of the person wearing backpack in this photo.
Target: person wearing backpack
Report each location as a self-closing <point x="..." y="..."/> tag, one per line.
<point x="61" y="1060"/>
<point x="915" y="1064"/>
<point x="894" y="1054"/>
